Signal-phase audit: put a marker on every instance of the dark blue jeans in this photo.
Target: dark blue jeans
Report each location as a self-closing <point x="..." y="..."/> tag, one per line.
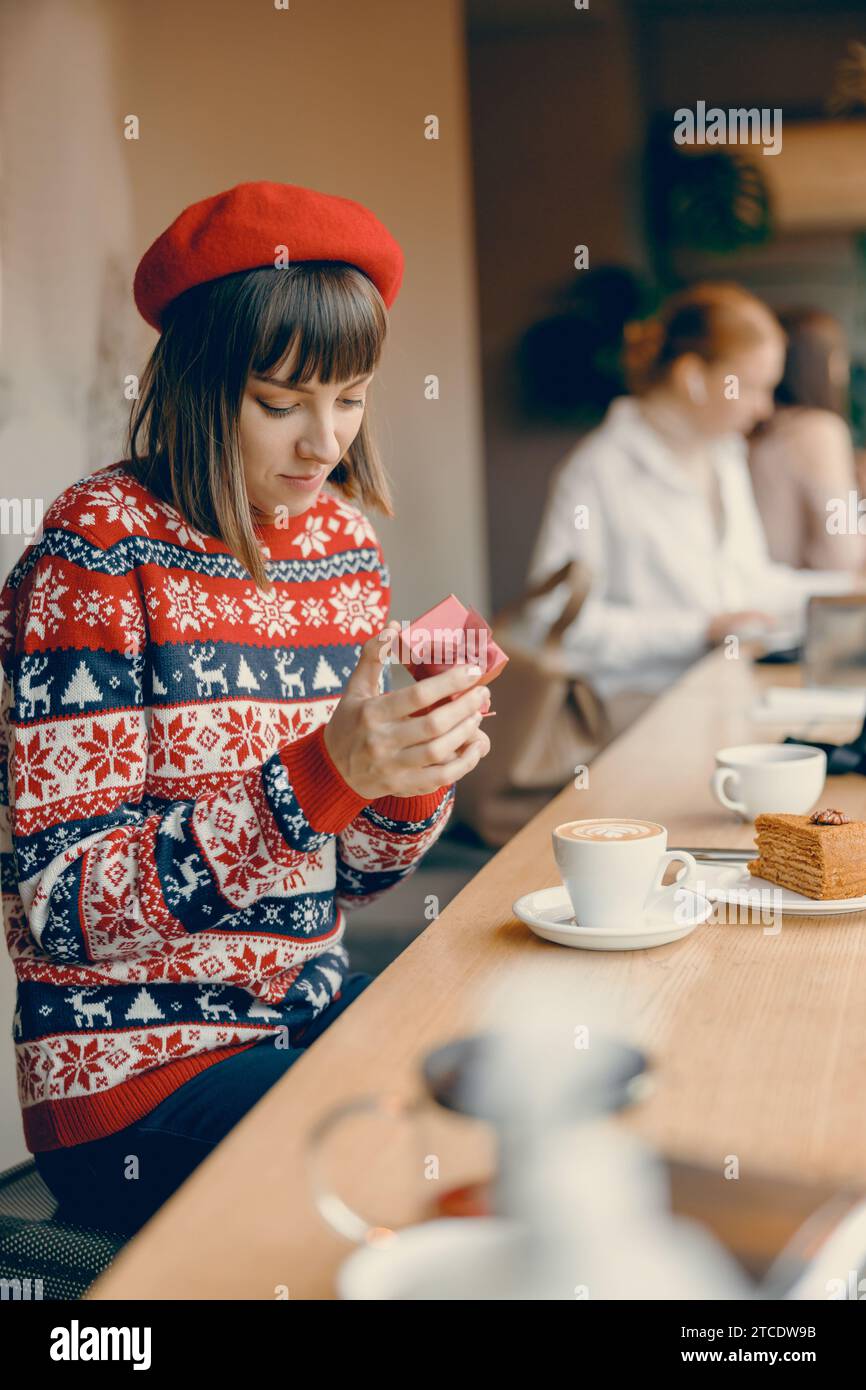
<point x="90" y="1180"/>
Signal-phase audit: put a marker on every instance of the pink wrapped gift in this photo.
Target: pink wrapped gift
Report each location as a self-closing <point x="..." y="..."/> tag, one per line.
<point x="448" y="635"/>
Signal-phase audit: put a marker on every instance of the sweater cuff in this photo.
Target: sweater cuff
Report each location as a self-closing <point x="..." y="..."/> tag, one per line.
<point x="326" y="799"/>
<point x="410" y="808"/>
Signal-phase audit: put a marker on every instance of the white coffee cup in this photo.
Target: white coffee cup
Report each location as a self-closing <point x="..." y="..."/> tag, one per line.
<point x="613" y="870"/>
<point x="768" y="778"/>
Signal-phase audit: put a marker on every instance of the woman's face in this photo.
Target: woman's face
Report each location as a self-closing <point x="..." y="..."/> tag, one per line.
<point x="292" y="437"/>
<point x="732" y="396"/>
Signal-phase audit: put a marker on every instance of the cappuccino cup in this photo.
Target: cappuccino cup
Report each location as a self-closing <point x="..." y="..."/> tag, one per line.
<point x="613" y="870"/>
<point x="769" y="778"/>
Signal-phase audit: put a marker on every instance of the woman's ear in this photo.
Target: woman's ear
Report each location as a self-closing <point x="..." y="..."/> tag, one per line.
<point x="697" y="388"/>
<point x="688" y="372"/>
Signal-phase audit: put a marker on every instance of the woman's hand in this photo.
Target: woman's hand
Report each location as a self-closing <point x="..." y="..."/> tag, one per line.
<point x="748" y="623"/>
<point x="380" y="749"/>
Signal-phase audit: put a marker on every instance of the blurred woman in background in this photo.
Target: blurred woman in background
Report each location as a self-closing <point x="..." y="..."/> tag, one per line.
<point x="658" y="502"/>
<point x="802" y="458"/>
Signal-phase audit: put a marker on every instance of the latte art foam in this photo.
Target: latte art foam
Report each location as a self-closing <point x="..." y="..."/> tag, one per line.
<point x="608" y="830"/>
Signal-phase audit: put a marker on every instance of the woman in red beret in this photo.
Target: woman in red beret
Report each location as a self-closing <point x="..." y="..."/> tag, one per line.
<point x="204" y="770"/>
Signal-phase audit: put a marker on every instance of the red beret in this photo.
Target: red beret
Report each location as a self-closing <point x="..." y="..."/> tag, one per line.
<point x="242" y="228"/>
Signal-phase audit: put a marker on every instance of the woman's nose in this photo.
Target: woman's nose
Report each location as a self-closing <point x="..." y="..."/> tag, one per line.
<point x="320" y="446"/>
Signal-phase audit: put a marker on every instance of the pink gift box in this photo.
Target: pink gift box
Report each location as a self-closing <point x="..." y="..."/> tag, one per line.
<point x="449" y="634"/>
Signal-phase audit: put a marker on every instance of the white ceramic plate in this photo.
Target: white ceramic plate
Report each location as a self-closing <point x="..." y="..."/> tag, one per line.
<point x="732" y="883"/>
<point x="455" y="1257"/>
<point x="549" y="914"/>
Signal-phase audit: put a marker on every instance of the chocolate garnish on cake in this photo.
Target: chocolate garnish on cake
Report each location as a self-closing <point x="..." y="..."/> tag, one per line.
<point x="822" y="856"/>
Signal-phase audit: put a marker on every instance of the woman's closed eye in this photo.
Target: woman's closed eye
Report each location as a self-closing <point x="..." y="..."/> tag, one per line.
<point x="290" y="409"/>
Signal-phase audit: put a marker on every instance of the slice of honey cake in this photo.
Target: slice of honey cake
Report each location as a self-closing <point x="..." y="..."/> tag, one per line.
<point x="821" y="856"/>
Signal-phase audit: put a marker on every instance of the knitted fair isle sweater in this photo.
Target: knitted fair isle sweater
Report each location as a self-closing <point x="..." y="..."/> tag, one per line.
<point x="178" y="850"/>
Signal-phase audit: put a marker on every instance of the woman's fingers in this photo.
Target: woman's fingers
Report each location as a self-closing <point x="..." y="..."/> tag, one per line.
<point x="419" y="695"/>
<point x="438" y="750"/>
<point x="420" y="781"/>
<point x="437" y="723"/>
<point x="462" y="763"/>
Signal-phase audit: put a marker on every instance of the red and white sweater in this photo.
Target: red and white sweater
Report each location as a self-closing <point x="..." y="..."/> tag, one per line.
<point x="177" y="848"/>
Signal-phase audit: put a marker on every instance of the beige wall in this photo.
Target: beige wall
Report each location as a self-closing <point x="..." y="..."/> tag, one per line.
<point x="556" y="131"/>
<point x="332" y="95"/>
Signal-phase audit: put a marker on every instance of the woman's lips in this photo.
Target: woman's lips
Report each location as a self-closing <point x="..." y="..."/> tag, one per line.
<point x="306" y="483"/>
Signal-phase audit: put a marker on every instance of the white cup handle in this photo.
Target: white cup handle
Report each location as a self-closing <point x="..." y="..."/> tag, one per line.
<point x="657" y="894"/>
<point x="720" y="778"/>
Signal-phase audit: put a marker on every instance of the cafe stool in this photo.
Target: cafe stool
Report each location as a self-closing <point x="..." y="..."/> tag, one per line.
<point x="40" y="1257"/>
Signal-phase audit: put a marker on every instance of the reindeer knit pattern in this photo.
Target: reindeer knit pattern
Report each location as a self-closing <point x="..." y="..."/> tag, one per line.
<point x="178" y="850"/>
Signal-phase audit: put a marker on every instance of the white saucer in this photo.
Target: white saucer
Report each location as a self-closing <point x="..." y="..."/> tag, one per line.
<point x="453" y="1257"/>
<point x="548" y="912"/>
<point x="732" y="883"/>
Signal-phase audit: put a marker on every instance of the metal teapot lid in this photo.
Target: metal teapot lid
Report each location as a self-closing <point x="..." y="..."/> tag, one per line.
<point x="608" y="1076"/>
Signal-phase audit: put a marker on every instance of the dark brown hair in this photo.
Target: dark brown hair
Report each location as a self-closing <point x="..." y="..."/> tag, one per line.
<point x="182" y="440"/>
<point x="813" y="337"/>
<point x="712" y="319"/>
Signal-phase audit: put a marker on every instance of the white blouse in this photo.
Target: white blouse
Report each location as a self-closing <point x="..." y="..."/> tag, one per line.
<point x="622" y="502"/>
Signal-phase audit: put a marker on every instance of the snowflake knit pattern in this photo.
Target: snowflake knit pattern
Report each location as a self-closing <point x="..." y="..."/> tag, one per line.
<point x="178" y="850"/>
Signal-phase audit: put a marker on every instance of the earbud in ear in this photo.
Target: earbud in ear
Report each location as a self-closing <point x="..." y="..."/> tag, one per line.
<point x="697" y="389"/>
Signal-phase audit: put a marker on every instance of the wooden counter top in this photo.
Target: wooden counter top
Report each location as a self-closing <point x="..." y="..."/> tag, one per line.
<point x="758" y="1041"/>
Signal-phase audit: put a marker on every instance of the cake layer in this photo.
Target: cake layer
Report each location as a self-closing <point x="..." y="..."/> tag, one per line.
<point x="815" y="887"/>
